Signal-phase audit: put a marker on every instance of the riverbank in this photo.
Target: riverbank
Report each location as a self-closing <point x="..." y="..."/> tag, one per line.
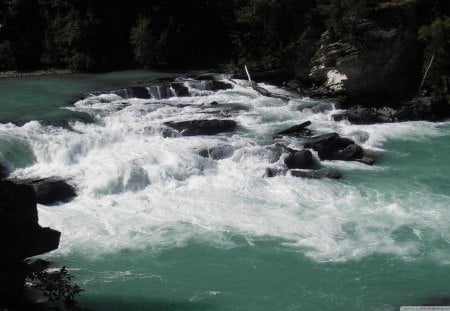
<point x="45" y="72"/>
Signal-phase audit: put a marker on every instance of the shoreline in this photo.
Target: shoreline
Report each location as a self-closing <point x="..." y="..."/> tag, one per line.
<point x="12" y="74"/>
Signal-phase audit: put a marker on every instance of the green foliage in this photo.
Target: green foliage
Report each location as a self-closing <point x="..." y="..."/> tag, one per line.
<point x="266" y="31"/>
<point x="145" y="46"/>
<point x="344" y="13"/>
<point x="7" y="59"/>
<point x="57" y="287"/>
<point x="436" y="37"/>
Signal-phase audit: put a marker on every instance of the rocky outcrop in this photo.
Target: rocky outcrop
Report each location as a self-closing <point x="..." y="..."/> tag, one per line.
<point x="419" y="108"/>
<point x="203" y="127"/>
<point x="49" y="191"/>
<point x="372" y="60"/>
<point x="297" y="130"/>
<point x="333" y="147"/>
<point x="20" y="237"/>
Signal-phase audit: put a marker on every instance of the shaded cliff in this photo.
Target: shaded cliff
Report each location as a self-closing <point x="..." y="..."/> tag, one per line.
<point x="21" y="237"/>
<point x="372" y="59"/>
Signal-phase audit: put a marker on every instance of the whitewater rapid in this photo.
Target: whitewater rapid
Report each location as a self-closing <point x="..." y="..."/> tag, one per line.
<point x="140" y="190"/>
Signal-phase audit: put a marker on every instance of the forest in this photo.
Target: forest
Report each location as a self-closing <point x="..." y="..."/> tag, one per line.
<point x="100" y="35"/>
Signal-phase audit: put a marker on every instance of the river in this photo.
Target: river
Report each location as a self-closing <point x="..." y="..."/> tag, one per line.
<point x="155" y="226"/>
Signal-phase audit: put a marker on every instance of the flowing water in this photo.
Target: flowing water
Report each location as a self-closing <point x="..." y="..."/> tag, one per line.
<point x="155" y="226"/>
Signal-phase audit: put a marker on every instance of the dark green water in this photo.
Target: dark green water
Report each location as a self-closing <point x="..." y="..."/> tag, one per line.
<point x="217" y="236"/>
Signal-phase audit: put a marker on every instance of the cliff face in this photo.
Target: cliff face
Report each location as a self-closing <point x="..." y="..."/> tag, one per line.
<point x="373" y="60"/>
<point x="20" y="237"/>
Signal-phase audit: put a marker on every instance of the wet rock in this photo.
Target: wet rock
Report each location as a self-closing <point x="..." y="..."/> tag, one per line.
<point x="217" y="153"/>
<point x="371" y="115"/>
<point x="317" y="174"/>
<point x="351" y="152"/>
<point x="180" y="89"/>
<point x="324" y="140"/>
<point x="139" y="92"/>
<point x="203" y="127"/>
<point x="425" y="108"/>
<point x="272" y="172"/>
<point x="333" y="147"/>
<point x="276" y="77"/>
<point x="297" y="130"/>
<point x="219" y="85"/>
<point x="50" y="191"/>
<point x="299" y="159"/>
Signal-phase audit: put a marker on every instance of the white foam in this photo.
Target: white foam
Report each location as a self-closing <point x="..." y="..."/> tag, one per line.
<point x="138" y="189"/>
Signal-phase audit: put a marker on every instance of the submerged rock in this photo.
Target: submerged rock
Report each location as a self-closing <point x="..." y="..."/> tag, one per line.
<point x="203" y="127"/>
<point x="297" y="130"/>
<point x="217" y="153"/>
<point x="317" y="174"/>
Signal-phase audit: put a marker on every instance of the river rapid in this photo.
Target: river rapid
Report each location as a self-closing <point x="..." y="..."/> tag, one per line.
<point x="156" y="226"/>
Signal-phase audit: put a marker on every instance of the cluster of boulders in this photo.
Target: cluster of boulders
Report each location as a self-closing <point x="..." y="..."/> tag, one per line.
<point x="331" y="146"/>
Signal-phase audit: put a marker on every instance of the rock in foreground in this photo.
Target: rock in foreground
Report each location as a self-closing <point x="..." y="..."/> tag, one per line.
<point x="203" y="127"/>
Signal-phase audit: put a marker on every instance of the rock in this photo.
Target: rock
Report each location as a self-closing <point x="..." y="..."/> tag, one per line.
<point x="351" y="152"/>
<point x="180" y="89"/>
<point x="373" y="59"/>
<point x="299" y="159"/>
<point x="20" y="236"/>
<point x="370" y="115"/>
<point x="320" y="141"/>
<point x="138" y="92"/>
<point x="50" y="191"/>
<point x="276" y="77"/>
<point x="272" y="172"/>
<point x="330" y="173"/>
<point x="203" y="127"/>
<point x="333" y="147"/>
<point x="297" y="130"/>
<point x="4" y="171"/>
<point x="425" y="108"/>
<point x="219" y="85"/>
<point x="217" y="153"/>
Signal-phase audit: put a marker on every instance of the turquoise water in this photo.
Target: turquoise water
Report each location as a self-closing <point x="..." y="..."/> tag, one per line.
<point x="156" y="227"/>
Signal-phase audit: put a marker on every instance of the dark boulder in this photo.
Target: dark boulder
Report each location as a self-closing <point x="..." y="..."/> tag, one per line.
<point x="333" y="147"/>
<point x="297" y="130"/>
<point x="138" y="92"/>
<point x="203" y="127"/>
<point x="50" y="190"/>
<point x="314" y="174"/>
<point x="20" y="237"/>
<point x="217" y="153"/>
<point x="219" y="85"/>
<point x="351" y="152"/>
<point x="318" y="142"/>
<point x="180" y="89"/>
<point x="299" y="159"/>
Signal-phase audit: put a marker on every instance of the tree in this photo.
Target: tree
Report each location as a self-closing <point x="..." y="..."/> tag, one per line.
<point x="436" y="38"/>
